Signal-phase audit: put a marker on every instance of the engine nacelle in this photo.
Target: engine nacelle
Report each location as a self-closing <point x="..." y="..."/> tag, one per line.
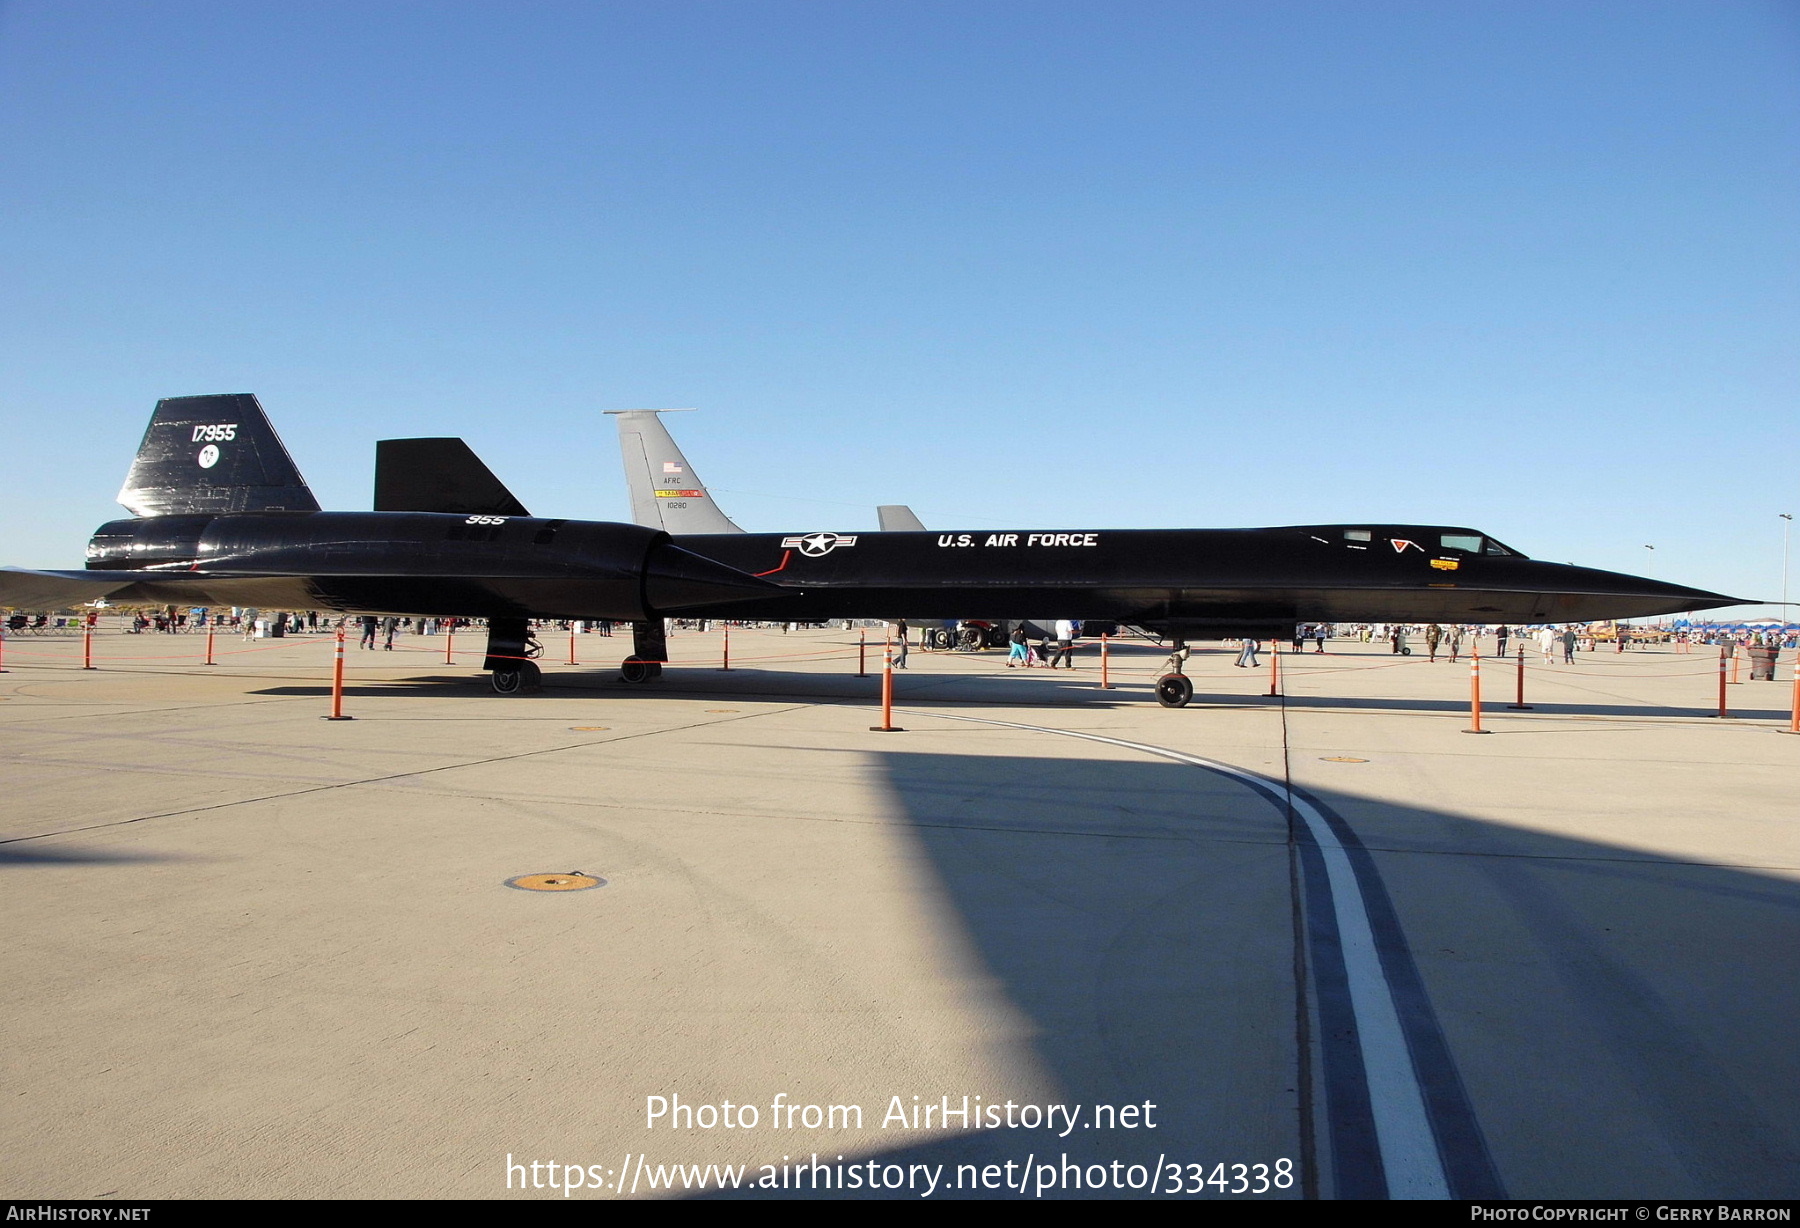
<point x="423" y="563"/>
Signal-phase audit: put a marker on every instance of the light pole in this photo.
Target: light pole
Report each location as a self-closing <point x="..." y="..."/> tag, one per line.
<point x="1787" y="522"/>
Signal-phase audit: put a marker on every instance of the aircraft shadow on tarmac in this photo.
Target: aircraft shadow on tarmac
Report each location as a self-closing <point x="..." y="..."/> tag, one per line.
<point x="1497" y="707"/>
<point x="1597" y="1021"/>
<point x="19" y="853"/>
<point x="775" y="686"/>
<point x="1071" y="689"/>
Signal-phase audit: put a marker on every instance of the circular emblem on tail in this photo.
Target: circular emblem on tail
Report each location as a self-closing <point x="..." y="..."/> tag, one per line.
<point x="209" y="456"/>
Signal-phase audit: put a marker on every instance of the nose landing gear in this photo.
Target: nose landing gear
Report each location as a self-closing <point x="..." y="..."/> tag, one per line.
<point x="1174" y="689"/>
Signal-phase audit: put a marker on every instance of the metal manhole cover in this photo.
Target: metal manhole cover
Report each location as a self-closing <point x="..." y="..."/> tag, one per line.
<point x="574" y="880"/>
<point x="1342" y="759"/>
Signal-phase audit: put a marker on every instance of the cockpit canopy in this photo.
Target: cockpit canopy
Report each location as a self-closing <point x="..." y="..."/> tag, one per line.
<point x="1431" y="540"/>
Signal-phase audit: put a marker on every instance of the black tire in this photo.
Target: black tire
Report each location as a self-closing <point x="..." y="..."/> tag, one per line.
<point x="943" y="639"/>
<point x="997" y="638"/>
<point x="519" y="680"/>
<point x="1406" y="652"/>
<point x="1174" y="690"/>
<point x="969" y="639"/>
<point x="634" y="671"/>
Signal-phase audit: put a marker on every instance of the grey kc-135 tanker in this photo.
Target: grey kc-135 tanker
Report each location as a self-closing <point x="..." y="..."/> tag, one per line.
<point x="221" y="516"/>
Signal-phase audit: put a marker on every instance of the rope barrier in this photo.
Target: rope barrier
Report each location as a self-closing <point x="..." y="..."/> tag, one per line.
<point x="1304" y="664"/>
<point x="1606" y="667"/>
<point x="135" y="658"/>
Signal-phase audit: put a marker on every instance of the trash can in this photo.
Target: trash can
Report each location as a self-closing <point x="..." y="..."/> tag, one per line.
<point x="1762" y="662"/>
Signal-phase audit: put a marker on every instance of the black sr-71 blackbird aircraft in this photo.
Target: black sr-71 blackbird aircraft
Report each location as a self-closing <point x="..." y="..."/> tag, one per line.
<point x="221" y="517"/>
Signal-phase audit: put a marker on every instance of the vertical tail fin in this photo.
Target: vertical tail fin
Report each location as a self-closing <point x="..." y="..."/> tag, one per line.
<point x="438" y="475"/>
<point x="665" y="492"/>
<point x="213" y="454"/>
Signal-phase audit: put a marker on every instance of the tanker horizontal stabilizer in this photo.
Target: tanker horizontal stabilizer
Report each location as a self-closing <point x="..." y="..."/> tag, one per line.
<point x="899" y="518"/>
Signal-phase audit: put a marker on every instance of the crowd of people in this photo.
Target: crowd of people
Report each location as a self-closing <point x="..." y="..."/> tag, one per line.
<point x="1028" y="646"/>
<point x="1552" y="643"/>
<point x="1550" y="640"/>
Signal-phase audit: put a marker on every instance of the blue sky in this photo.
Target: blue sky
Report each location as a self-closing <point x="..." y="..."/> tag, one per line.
<point x="1529" y="267"/>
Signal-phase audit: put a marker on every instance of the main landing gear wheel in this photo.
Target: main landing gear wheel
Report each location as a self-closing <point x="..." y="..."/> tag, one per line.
<point x="517" y="680"/>
<point x="1174" y="690"/>
<point x="633" y="670"/>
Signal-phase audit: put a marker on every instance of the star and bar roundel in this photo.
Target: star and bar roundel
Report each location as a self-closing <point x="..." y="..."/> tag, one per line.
<point x="815" y="544"/>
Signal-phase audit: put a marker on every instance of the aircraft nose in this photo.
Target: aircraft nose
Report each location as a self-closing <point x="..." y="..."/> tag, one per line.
<point x="1687" y="598"/>
<point x="1609" y="594"/>
<point x="678" y="579"/>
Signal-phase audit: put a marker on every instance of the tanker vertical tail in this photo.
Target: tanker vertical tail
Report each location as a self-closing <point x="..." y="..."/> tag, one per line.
<point x="665" y="492"/>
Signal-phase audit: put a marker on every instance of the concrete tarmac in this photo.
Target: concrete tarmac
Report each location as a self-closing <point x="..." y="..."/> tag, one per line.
<point x="259" y="954"/>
